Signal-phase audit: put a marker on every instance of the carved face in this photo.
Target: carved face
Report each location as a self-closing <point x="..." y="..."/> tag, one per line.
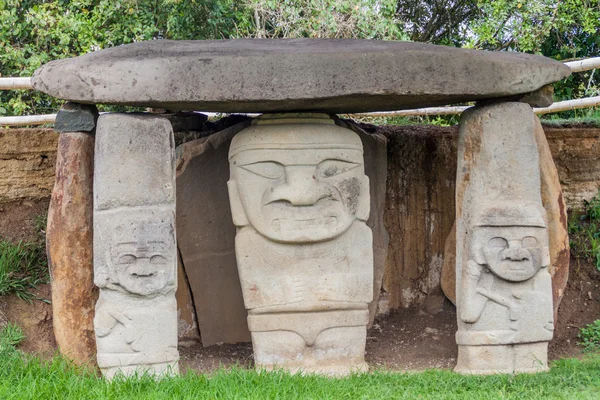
<point x="140" y="258"/>
<point x="141" y="268"/>
<point x="514" y="253"/>
<point x="300" y="194"/>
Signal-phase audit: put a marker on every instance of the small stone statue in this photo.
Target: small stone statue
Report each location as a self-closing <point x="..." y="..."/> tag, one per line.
<point x="135" y="253"/>
<point x="300" y="198"/>
<point x="504" y="289"/>
<point x="506" y="298"/>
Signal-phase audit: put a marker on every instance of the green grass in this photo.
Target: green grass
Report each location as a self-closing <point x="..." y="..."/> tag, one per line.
<point x="29" y="378"/>
<point x="22" y="267"/>
<point x="589" y="336"/>
<point x="10" y="336"/>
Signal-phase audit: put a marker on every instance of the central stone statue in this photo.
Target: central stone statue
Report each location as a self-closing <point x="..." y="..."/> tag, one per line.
<point x="300" y="198"/>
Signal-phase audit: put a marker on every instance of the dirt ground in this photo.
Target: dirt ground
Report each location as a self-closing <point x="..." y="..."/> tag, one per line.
<point x="408" y="339"/>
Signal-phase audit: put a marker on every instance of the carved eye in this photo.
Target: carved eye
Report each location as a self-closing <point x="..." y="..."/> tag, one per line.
<point x="329" y="168"/>
<point x="267" y="169"/>
<point x="529" y="241"/>
<point x="498" y="242"/>
<point x="127" y="259"/>
<point x="157" y="260"/>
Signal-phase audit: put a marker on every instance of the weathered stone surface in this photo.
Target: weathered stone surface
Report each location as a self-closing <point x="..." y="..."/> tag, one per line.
<point x="209" y="253"/>
<point x="448" y="276"/>
<point x="206" y="237"/>
<point x="300" y="199"/>
<point x="556" y="212"/>
<point x="503" y="288"/>
<point x="419" y="209"/>
<point x="74" y="117"/>
<point x="576" y="153"/>
<point x="187" y="326"/>
<point x="543" y="97"/>
<point x="331" y="75"/>
<point x="69" y="236"/>
<point x="375" y="155"/>
<point x="128" y="142"/>
<point x="27" y="163"/>
<point x="135" y="252"/>
<point x="553" y="202"/>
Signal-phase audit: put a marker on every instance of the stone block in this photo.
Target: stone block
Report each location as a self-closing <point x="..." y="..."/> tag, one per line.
<point x="74" y="117"/>
<point x="503" y="287"/>
<point x="137" y="164"/>
<point x="265" y="75"/>
<point x="135" y="251"/>
<point x="300" y="199"/>
<point x="69" y="237"/>
<point x="206" y="236"/>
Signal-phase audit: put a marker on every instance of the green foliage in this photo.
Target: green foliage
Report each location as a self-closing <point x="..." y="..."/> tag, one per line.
<point x="366" y="19"/>
<point x="34" y="32"/>
<point x="24" y="377"/>
<point x="589" y="336"/>
<point x="10" y="337"/>
<point x="584" y="231"/>
<point x="22" y="267"/>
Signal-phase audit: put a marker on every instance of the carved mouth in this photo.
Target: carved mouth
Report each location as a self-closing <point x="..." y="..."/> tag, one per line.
<point x="287" y="225"/>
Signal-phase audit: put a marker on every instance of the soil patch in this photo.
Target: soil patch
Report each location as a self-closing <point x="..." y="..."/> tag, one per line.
<point x="18" y="219"/>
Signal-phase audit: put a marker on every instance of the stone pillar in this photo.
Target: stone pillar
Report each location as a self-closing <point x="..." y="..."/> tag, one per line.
<point x="503" y="287"/>
<point x="135" y="255"/>
<point x="299" y="199"/>
<point x="69" y="234"/>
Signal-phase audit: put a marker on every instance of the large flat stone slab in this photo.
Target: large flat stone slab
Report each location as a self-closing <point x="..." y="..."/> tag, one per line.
<point x="262" y="75"/>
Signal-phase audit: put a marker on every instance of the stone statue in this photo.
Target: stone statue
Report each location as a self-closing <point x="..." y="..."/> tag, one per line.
<point x="504" y="289"/>
<point x="135" y="253"/>
<point x="300" y="198"/>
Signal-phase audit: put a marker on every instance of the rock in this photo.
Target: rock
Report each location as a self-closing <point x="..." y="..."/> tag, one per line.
<point x="434" y="303"/>
<point x="135" y="249"/>
<point x="543" y="97"/>
<point x="300" y="201"/>
<point x="375" y="154"/>
<point x="263" y="75"/>
<point x="27" y="163"/>
<point x="553" y="202"/>
<point x="448" y="277"/>
<point x="69" y="235"/>
<point x="206" y="235"/>
<point x="209" y="252"/>
<point x="556" y="211"/>
<point x="73" y="117"/>
<point x="187" y="326"/>
<point x="504" y="288"/>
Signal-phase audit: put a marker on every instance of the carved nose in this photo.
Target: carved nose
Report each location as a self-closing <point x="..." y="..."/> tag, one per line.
<point x="301" y="187"/>
<point x="515" y="251"/>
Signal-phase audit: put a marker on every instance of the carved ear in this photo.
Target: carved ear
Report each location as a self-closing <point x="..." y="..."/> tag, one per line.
<point x="364" y="200"/>
<point x="545" y="256"/>
<point x="237" y="211"/>
<point x="478" y="255"/>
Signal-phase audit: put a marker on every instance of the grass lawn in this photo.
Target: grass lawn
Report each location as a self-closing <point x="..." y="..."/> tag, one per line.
<point x="29" y="378"/>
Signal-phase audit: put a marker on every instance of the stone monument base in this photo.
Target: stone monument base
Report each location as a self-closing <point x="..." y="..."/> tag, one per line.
<point x="329" y="343"/>
<point x="505" y="359"/>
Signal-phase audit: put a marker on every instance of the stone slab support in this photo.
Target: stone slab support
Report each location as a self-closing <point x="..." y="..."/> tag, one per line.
<point x="503" y="286"/>
<point x="300" y="201"/>
<point x="69" y="236"/>
<point x="135" y="253"/>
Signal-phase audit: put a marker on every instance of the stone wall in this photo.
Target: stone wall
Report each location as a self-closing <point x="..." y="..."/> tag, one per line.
<point x="420" y="196"/>
<point x="27" y="163"/>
